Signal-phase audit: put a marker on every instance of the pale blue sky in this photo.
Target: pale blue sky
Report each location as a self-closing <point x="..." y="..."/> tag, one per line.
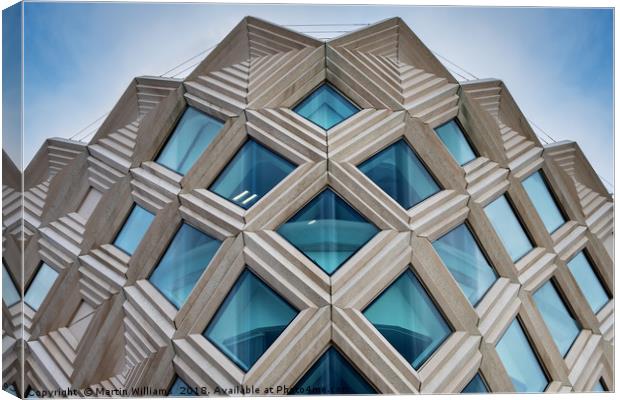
<point x="557" y="63"/>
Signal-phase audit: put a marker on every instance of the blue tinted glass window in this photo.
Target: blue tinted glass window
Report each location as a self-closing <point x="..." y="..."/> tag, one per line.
<point x="476" y="385"/>
<point x="400" y="173"/>
<point x="180" y="388"/>
<point x="452" y="136"/>
<point x="191" y="137"/>
<point x="328" y="231"/>
<point x="326" y="107"/>
<point x="10" y="295"/>
<point x="252" y="172"/>
<point x="598" y="387"/>
<point x="508" y="228"/>
<point x="40" y="286"/>
<point x="520" y="361"/>
<point x="11" y="389"/>
<point x="249" y="320"/>
<point x="332" y="374"/>
<point x="460" y="252"/>
<point x="563" y="327"/>
<point x="405" y="314"/>
<point x="588" y="281"/>
<point x="186" y="258"/>
<point x="134" y="229"/>
<point x="543" y="201"/>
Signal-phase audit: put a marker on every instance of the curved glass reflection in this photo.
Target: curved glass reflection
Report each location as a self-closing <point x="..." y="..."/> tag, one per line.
<point x="562" y="325"/>
<point x="251" y="174"/>
<point x="400" y="173"/>
<point x="190" y="138"/>
<point x="328" y="231"/>
<point x="520" y="361"/>
<point x="186" y="258"/>
<point x="460" y="252"/>
<point x="454" y="139"/>
<point x="249" y="320"/>
<point x="332" y="374"/>
<point x="406" y="315"/>
<point x="544" y="203"/>
<point x="134" y="229"/>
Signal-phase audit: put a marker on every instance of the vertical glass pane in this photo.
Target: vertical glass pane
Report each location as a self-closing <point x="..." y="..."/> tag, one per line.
<point x="508" y="228"/>
<point x="563" y="327"/>
<point x="10" y="295"/>
<point x="460" y="252"/>
<point x="452" y="136"/>
<point x="326" y="107"/>
<point x="476" y="385"/>
<point x="328" y="231"/>
<point x="332" y="374"/>
<point x="191" y="137"/>
<point x="252" y="172"/>
<point x="407" y="317"/>
<point x="400" y="173"/>
<point x="249" y="321"/>
<point x="543" y="201"/>
<point x="588" y="281"/>
<point x="520" y="361"/>
<point x="187" y="257"/>
<point x="40" y="286"/>
<point x="134" y="229"/>
<point x="180" y="388"/>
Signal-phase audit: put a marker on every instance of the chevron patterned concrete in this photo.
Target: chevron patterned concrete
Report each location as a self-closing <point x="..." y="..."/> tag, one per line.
<point x="103" y="327"/>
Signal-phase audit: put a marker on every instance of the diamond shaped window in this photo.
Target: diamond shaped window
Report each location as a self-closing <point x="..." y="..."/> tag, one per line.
<point x="460" y="252"/>
<point x="134" y="229"/>
<point x="400" y="173"/>
<point x="181" y="389"/>
<point x="409" y="319"/>
<point x="454" y="139"/>
<point x="186" y="258"/>
<point x="190" y="138"/>
<point x="249" y="320"/>
<point x="332" y="374"/>
<point x="252" y="172"/>
<point x="10" y="295"/>
<point x="588" y="281"/>
<point x="326" y="107"/>
<point x="476" y="385"/>
<point x="40" y="286"/>
<point x="328" y="231"/>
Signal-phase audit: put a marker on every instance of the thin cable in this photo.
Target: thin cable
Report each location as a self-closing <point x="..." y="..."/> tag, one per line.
<point x="186" y="61"/>
<point x="540" y="129"/>
<point x="295" y="25"/>
<point x="305" y="32"/>
<point x="89" y="125"/>
<point x="456" y="65"/>
<point x="454" y="72"/>
<point x="185" y="69"/>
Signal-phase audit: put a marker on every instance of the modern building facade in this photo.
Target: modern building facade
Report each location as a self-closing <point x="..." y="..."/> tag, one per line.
<point x="308" y="217"/>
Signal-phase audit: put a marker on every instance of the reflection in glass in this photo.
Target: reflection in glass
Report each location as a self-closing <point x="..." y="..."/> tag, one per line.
<point x="407" y="317"/>
<point x="563" y="327"/>
<point x="460" y="252"/>
<point x="326" y="107"/>
<point x="252" y="172"/>
<point x="452" y="136"/>
<point x="508" y="228"/>
<point x="543" y="201"/>
<point x="520" y="361"/>
<point x="476" y="385"/>
<point x="328" y="231"/>
<point x="400" y="173"/>
<point x="249" y="320"/>
<point x="186" y="258"/>
<point x="40" y="286"/>
<point x="332" y="374"/>
<point x="598" y="387"/>
<point x="134" y="229"/>
<point x="10" y="295"/>
<point x="191" y="137"/>
<point x="588" y="281"/>
<point x="180" y="388"/>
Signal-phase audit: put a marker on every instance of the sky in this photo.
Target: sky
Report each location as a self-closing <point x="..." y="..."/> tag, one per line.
<point x="556" y="62"/>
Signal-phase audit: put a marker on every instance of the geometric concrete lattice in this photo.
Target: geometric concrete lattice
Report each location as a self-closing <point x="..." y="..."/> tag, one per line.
<point x="107" y="326"/>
